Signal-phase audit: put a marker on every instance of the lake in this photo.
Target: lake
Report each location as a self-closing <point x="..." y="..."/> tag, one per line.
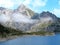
<point x="34" y="40"/>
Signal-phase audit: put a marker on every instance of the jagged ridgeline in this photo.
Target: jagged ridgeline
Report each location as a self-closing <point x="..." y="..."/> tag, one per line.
<point x="25" y="20"/>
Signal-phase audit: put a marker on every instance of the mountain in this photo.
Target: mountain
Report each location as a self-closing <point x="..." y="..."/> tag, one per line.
<point x="47" y="22"/>
<point x="26" y="20"/>
<point x="48" y="14"/>
<point x="5" y="11"/>
<point x="24" y="10"/>
<point x="44" y="15"/>
<point x="21" y="9"/>
<point x="18" y="19"/>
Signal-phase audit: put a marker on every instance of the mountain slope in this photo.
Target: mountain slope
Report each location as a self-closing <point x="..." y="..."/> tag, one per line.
<point x="5" y="11"/>
<point x="47" y="22"/>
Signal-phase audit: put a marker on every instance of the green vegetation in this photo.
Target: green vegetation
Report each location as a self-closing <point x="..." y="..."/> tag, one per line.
<point x="41" y="26"/>
<point x="5" y="32"/>
<point x="40" y="33"/>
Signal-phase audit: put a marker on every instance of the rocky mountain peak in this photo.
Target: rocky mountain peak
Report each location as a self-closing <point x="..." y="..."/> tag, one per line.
<point x="21" y="8"/>
<point x="47" y="14"/>
<point x="44" y="15"/>
<point x="24" y="10"/>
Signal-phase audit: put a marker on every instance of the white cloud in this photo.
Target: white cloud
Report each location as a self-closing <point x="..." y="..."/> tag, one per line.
<point x="27" y="2"/>
<point x="10" y="3"/>
<point x="6" y="3"/>
<point x="56" y="12"/>
<point x="35" y="3"/>
<point x="4" y="18"/>
<point x="13" y="3"/>
<point x="38" y="3"/>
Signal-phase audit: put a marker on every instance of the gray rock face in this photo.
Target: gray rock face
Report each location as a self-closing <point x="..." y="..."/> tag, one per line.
<point x="44" y="15"/>
<point x="48" y="14"/>
<point x="25" y="11"/>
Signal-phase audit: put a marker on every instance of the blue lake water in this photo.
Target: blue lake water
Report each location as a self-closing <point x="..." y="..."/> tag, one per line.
<point x="34" y="40"/>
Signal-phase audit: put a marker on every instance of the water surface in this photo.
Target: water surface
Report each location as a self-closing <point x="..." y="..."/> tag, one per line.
<point x="34" y="40"/>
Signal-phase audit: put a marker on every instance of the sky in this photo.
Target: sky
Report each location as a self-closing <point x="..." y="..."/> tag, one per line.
<point x="36" y="5"/>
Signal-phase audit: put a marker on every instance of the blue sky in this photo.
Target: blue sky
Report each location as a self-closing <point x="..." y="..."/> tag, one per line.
<point x="36" y="5"/>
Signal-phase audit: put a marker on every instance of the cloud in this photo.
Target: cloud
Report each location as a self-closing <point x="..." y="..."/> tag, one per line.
<point x="4" y="18"/>
<point x="6" y="3"/>
<point x="32" y="4"/>
<point x="39" y="3"/>
<point x="10" y="3"/>
<point x="35" y="4"/>
<point x="27" y="2"/>
<point x="56" y="11"/>
<point x="17" y="17"/>
<point x="16" y="21"/>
